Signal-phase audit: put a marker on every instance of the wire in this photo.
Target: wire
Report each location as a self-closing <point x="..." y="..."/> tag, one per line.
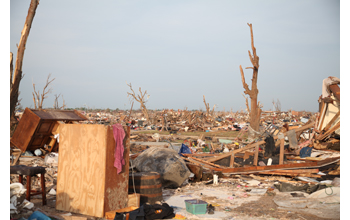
<point x="132" y="174"/>
<point x="325" y="190"/>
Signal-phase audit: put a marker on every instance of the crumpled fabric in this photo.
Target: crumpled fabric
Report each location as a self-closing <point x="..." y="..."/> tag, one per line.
<point x="118" y="134"/>
<point x="305" y="152"/>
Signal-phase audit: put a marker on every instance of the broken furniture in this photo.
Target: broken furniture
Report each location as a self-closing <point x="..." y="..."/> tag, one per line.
<point x="87" y="181"/>
<point x="29" y="172"/>
<point x="37" y="128"/>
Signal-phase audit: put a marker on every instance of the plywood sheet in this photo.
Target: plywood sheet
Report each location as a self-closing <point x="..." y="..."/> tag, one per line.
<point x="81" y="169"/>
<point x="116" y="185"/>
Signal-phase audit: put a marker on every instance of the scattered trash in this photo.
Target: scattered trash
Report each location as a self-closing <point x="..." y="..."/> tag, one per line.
<point x="51" y="158"/>
<point x="215" y="179"/>
<point x="258" y="192"/>
<point x="52" y="192"/>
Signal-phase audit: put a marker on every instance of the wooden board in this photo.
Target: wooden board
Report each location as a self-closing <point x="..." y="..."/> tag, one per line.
<point x="252" y="169"/>
<point x="87" y="181"/>
<point x="134" y="200"/>
<point x="81" y="173"/>
<point x="116" y="193"/>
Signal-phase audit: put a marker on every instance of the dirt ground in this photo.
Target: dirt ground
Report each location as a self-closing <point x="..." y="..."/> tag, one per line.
<point x="265" y="206"/>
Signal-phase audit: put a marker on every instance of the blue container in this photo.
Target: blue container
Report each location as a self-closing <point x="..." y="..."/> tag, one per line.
<point x="196" y="206"/>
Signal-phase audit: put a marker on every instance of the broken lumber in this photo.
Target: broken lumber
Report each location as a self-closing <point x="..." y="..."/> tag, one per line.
<point x="330" y="131"/>
<point x="252" y="169"/>
<point x="205" y="162"/>
<point x="249" y="146"/>
<point x="291" y="174"/>
<point x="202" y="164"/>
<point x="335" y="117"/>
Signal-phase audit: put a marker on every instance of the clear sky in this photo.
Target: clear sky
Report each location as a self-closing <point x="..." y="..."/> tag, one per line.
<point x="178" y="51"/>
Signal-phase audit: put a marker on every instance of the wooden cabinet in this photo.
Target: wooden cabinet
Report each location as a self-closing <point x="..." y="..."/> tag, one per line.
<point x="88" y="182"/>
<point x="35" y="127"/>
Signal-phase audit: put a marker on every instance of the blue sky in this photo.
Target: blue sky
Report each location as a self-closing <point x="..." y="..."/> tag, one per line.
<point x="178" y="51"/>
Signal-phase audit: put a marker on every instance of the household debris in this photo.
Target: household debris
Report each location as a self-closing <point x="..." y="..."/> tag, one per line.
<point x="223" y="171"/>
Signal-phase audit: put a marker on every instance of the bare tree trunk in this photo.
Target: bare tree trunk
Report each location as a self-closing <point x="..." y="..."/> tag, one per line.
<point x="11" y="69"/>
<point x="255" y="110"/>
<point x="20" y="54"/>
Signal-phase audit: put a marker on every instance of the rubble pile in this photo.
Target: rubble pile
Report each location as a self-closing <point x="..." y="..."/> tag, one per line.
<point x="213" y="158"/>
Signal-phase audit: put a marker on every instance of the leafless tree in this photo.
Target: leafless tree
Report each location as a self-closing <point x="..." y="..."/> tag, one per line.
<point x="39" y="98"/>
<point x="140" y="98"/>
<point x="255" y="108"/>
<point x="64" y="104"/>
<point x="55" y="105"/>
<point x="209" y="114"/>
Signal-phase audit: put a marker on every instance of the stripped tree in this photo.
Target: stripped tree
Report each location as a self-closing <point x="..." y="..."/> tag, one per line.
<point x="14" y="87"/>
<point x="255" y="108"/>
<point x="38" y="98"/>
<point x="55" y="105"/>
<point x="140" y="98"/>
<point x="209" y="114"/>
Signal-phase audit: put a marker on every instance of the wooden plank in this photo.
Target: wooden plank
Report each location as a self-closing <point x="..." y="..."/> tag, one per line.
<point x="280" y="167"/>
<point x="202" y="164"/>
<point x="18" y="155"/>
<point x="322" y="115"/>
<point x="290" y="174"/>
<point x="59" y="115"/>
<point x="256" y="154"/>
<point x="134" y="200"/>
<point x="281" y="151"/>
<point x="271" y="167"/>
<point x="297" y="171"/>
<point x="232" y="159"/>
<point x="249" y="146"/>
<point x="116" y="185"/>
<point x="205" y="162"/>
<point x="304" y="159"/>
<point x="330" y="131"/>
<point x="81" y="169"/>
<point x="335" y="117"/>
<point x="202" y="155"/>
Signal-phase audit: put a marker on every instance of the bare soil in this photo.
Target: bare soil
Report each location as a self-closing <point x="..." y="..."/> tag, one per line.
<point x="266" y="207"/>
